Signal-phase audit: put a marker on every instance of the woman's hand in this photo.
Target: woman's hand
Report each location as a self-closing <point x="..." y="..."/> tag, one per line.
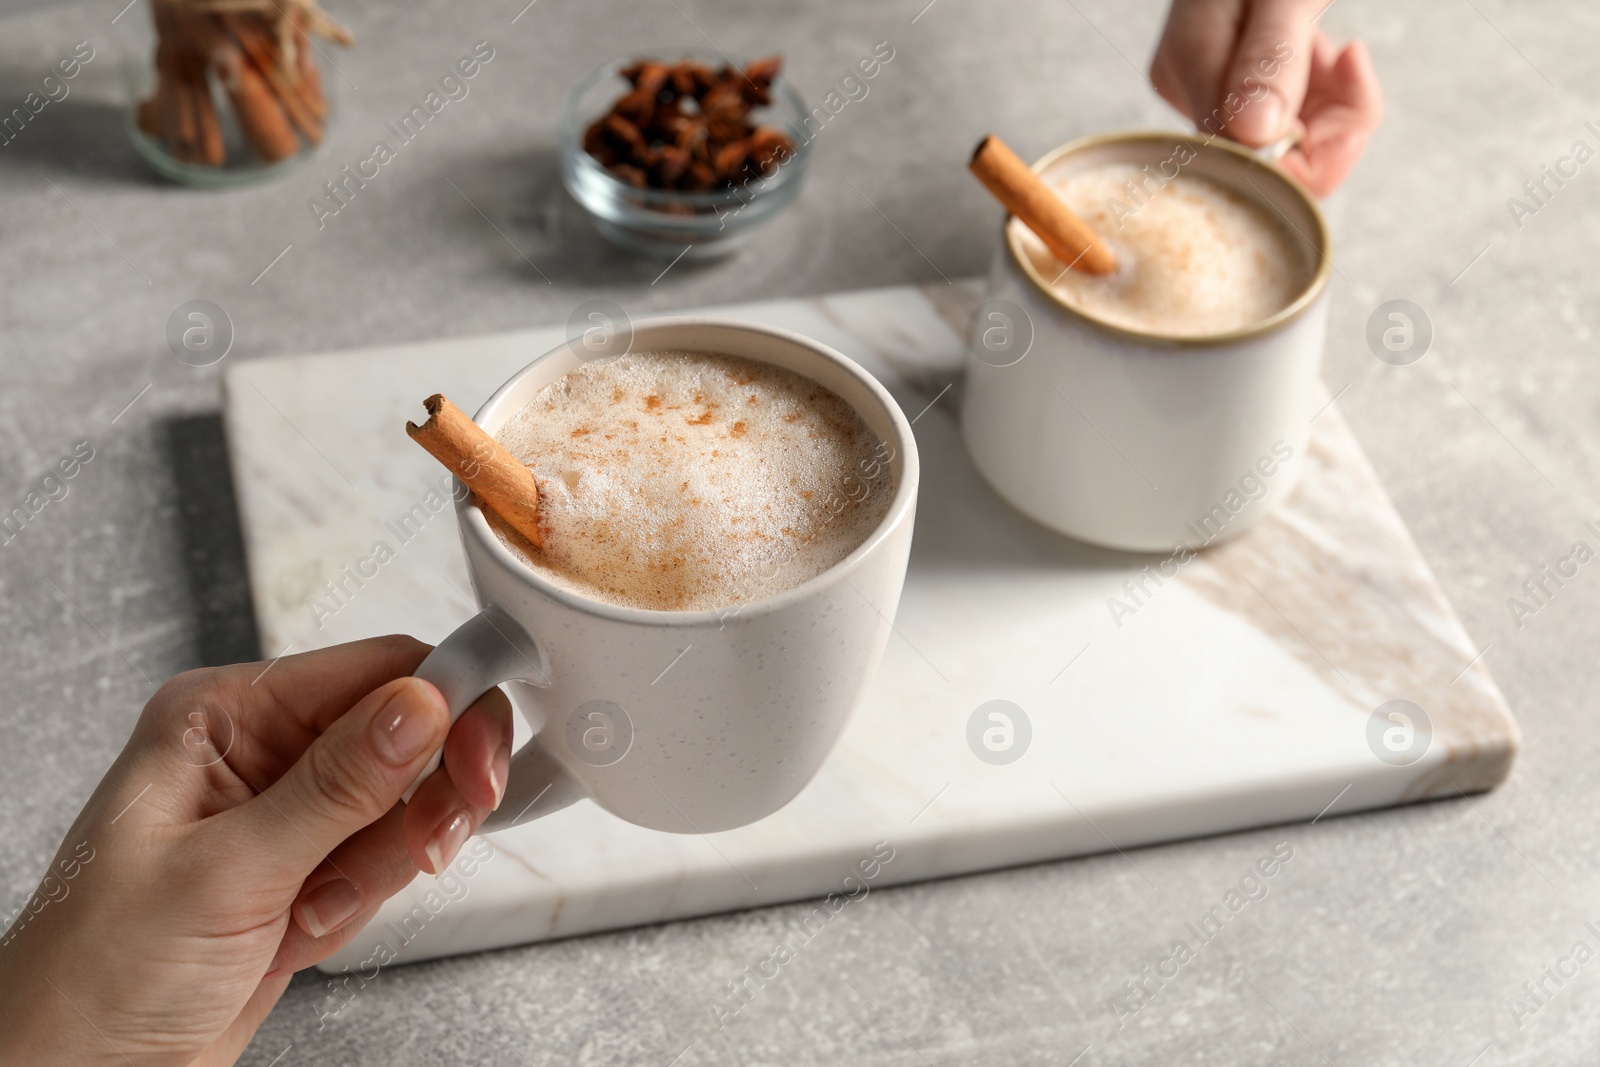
<point x="250" y="827"/>
<point x="1260" y="70"/>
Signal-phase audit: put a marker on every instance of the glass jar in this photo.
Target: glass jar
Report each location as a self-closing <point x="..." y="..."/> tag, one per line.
<point x="225" y="92"/>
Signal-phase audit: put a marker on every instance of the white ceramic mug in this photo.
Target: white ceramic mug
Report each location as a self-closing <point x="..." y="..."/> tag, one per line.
<point x="684" y="721"/>
<point x="1134" y="440"/>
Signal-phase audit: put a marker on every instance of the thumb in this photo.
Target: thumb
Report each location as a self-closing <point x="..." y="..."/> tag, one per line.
<point x="1266" y="80"/>
<point x="349" y="776"/>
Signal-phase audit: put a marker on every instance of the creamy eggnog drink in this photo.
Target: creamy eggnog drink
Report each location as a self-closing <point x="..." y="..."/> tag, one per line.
<point x="689" y="480"/>
<point x="1194" y="257"/>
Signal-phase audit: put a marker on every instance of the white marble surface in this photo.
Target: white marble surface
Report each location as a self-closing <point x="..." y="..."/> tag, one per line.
<point x="1239" y="695"/>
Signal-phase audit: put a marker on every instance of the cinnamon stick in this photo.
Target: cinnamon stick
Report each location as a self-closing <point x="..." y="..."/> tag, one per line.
<point x="150" y="114"/>
<point x="201" y="124"/>
<point x="209" y="146"/>
<point x="170" y="75"/>
<point x="260" y="117"/>
<point x="260" y="49"/>
<point x="1025" y="195"/>
<point x="185" y="133"/>
<point x="181" y="112"/>
<point x="480" y="461"/>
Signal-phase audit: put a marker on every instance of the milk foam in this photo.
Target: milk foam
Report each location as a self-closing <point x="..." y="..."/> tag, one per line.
<point x="688" y="481"/>
<point x="1195" y="258"/>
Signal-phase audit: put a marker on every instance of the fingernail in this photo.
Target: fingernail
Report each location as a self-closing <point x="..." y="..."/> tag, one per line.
<point x="404" y="727"/>
<point x="272" y="968"/>
<point x="499" y="770"/>
<point x="329" y="907"/>
<point x="1261" y="120"/>
<point x="447" y="841"/>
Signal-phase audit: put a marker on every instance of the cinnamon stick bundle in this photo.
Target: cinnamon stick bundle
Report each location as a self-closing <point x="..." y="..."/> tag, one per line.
<point x="258" y="53"/>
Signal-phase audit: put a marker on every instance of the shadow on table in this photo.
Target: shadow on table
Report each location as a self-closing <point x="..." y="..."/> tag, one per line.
<point x="213" y="545"/>
<point x="549" y="236"/>
<point x="85" y="138"/>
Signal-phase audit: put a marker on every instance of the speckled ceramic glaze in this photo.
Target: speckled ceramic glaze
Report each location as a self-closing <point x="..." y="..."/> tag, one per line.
<point x="1131" y="440"/>
<point x="685" y="721"/>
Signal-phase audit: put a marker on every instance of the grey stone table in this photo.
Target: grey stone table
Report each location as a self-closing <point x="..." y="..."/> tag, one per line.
<point x="1397" y="937"/>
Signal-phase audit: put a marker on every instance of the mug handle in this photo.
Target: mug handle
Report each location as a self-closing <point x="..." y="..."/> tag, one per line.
<point x="1271" y="153"/>
<point x="487" y="649"/>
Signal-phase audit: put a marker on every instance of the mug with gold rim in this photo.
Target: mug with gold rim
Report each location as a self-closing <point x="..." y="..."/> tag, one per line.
<point x="1138" y="440"/>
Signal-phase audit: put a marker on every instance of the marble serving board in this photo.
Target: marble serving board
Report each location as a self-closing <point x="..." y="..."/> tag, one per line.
<point x="1239" y="693"/>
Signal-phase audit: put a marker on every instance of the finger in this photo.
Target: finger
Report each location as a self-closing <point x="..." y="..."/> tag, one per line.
<point x="450" y="806"/>
<point x="1266" y="79"/>
<point x="438" y="821"/>
<point x="1323" y="54"/>
<point x="355" y="879"/>
<point x="1349" y="107"/>
<point x="347" y="778"/>
<point x="229" y="1045"/>
<point x="317" y="687"/>
<point x="297" y="951"/>
<point x="477" y="754"/>
<point x="1195" y="48"/>
<point x="1322" y="168"/>
<point x="246" y="724"/>
<point x="1351" y="92"/>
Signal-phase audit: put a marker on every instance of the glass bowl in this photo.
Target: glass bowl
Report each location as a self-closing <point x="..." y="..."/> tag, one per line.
<point x="667" y="222"/>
